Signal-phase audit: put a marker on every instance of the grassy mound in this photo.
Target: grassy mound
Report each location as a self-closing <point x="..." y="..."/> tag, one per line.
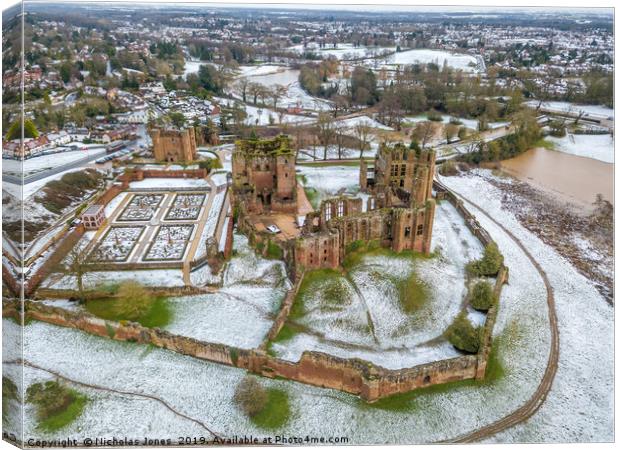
<point x="132" y="303"/>
<point x="489" y="264"/>
<point x="9" y="393"/>
<point x="56" y="404"/>
<point x="413" y="294"/>
<point x="481" y="296"/>
<point x="266" y="408"/>
<point x="463" y="335"/>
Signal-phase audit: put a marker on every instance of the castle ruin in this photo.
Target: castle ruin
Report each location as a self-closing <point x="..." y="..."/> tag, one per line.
<point x="397" y="214"/>
<point x="173" y="145"/>
<point x="264" y="175"/>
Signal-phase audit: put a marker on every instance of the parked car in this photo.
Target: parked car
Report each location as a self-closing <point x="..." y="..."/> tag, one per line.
<point x="273" y="229"/>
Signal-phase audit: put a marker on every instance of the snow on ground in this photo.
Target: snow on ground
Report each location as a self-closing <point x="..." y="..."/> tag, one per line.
<point x="399" y="339"/>
<point x="33" y="187"/>
<point x="343" y="51"/>
<point x="590" y="110"/>
<point x="266" y="69"/>
<point x="155" y="277"/>
<point x="46" y="162"/>
<point x="317" y="153"/>
<point x="211" y="223"/>
<point x="580" y="404"/>
<point x="114" y="203"/>
<point x="264" y="116"/>
<point x="424" y="56"/>
<point x="351" y="123"/>
<point x="445" y="118"/>
<point x="169" y="183"/>
<point x="578" y="408"/>
<point x="269" y="75"/>
<point x="329" y="180"/>
<point x="242" y="312"/>
<point x="594" y="146"/>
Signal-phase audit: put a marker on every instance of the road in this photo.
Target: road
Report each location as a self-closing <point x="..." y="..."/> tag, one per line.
<point x="53" y="171"/>
<point x="531" y="406"/>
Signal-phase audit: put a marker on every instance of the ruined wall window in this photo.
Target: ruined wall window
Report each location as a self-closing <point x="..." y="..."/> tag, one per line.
<point x="328" y="212"/>
<point x="394" y="170"/>
<point x="427" y="379"/>
<point x="340" y="208"/>
<point x="403" y="170"/>
<point x="407" y="231"/>
<point x="420" y="230"/>
<point x="402" y="182"/>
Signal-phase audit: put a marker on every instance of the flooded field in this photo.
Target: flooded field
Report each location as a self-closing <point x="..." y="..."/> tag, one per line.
<point x="572" y="178"/>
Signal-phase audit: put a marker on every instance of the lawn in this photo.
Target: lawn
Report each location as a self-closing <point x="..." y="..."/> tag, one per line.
<point x="65" y="417"/>
<point x="157" y="313"/>
<point x="275" y="413"/>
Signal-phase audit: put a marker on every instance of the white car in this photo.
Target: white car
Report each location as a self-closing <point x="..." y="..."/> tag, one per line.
<point x="273" y="229"/>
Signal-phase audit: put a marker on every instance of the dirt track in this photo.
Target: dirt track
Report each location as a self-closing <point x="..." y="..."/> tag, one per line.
<point x="529" y="408"/>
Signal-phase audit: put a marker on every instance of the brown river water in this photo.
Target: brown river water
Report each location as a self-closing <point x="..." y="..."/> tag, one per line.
<point x="571" y="178"/>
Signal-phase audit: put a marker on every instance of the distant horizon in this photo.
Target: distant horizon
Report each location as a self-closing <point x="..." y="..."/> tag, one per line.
<point x="340" y="7"/>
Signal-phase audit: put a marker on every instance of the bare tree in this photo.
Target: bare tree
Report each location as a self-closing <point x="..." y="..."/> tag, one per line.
<point x="277" y="92"/>
<point x="450" y="130"/>
<point x="423" y="132"/>
<point x="362" y="133"/>
<point x="242" y="85"/>
<point x="75" y="264"/>
<point x="255" y="90"/>
<point x="325" y="131"/>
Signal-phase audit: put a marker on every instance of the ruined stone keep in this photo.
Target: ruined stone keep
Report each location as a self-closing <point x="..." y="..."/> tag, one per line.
<point x="263" y="173"/>
<point x="398" y="214"/>
<point x="172" y="145"/>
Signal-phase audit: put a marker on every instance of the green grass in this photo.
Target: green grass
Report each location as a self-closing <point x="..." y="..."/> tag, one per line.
<point x="63" y="418"/>
<point x="412" y="293"/>
<point x="313" y="197"/>
<point x="275" y="413"/>
<point x="322" y="277"/>
<point x="286" y="333"/>
<point x="274" y="251"/>
<point x="158" y="315"/>
<point x="544" y="143"/>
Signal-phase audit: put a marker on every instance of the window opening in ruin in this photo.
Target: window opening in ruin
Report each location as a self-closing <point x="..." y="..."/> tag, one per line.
<point x="420" y="230"/>
<point x="340" y="208"/>
<point x="328" y="213"/>
<point x="407" y="231"/>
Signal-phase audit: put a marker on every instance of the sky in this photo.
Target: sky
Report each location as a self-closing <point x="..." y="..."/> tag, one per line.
<point x="378" y="5"/>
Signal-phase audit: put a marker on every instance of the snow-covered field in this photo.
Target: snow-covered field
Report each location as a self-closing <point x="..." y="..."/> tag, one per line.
<point x="45" y="162"/>
<point x="270" y="75"/>
<point x="242" y="312"/>
<point x="424" y="56"/>
<point x="265" y="116"/>
<point x="578" y="408"/>
<point x="330" y="180"/>
<point x="169" y="183"/>
<point x="445" y="118"/>
<point x="155" y="277"/>
<point x="584" y="381"/>
<point x="373" y="319"/>
<point x="590" y="110"/>
<point x="594" y="146"/>
<point x="343" y="51"/>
